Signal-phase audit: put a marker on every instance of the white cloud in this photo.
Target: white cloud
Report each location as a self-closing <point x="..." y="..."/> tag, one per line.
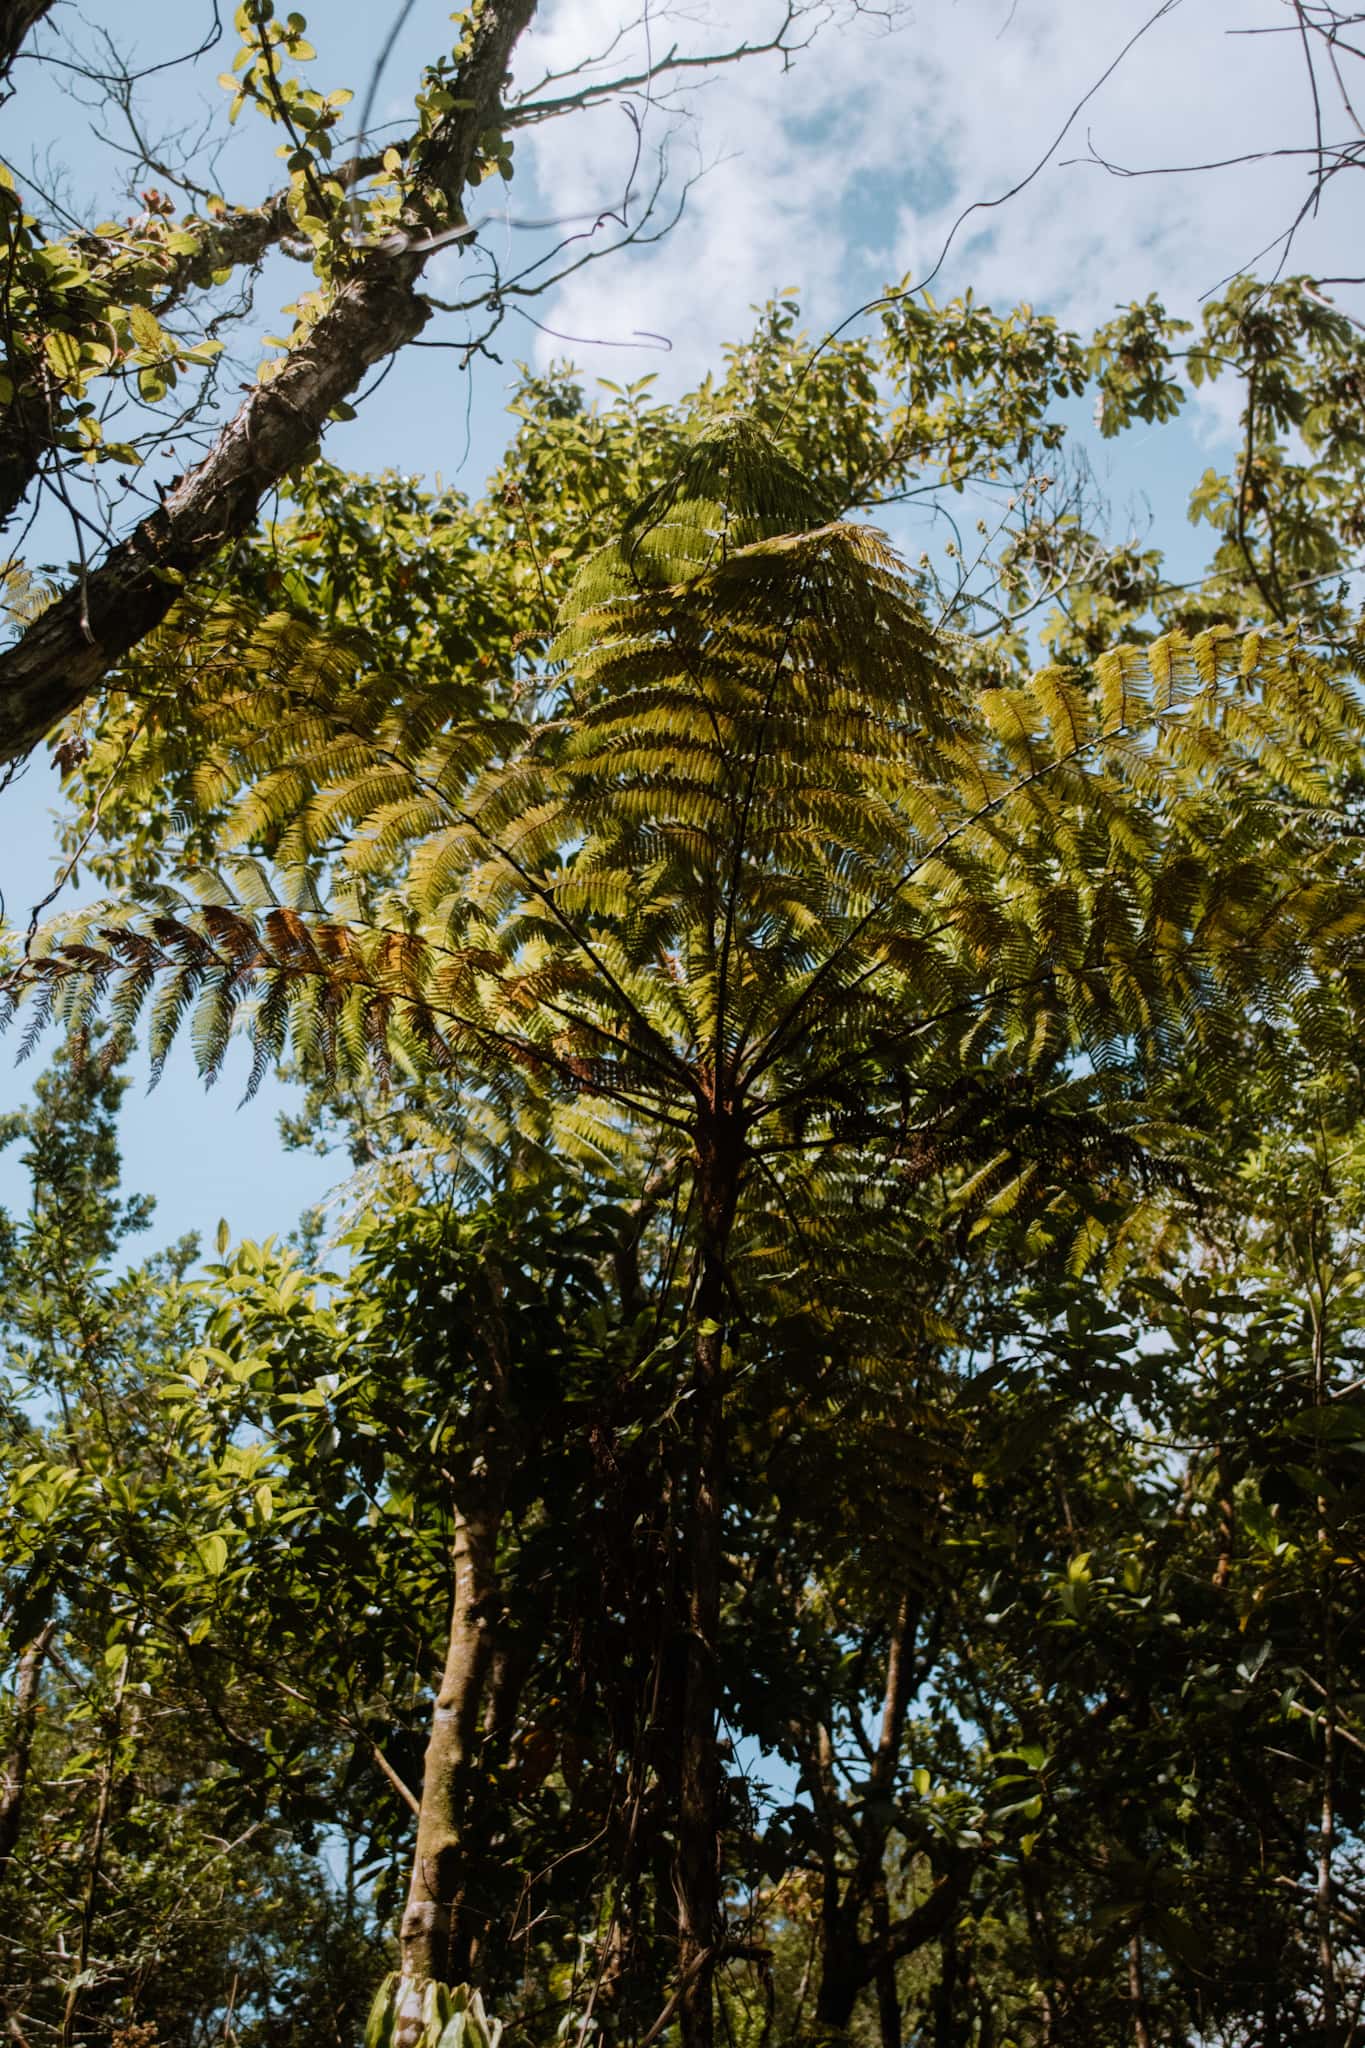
<point x="850" y="169"/>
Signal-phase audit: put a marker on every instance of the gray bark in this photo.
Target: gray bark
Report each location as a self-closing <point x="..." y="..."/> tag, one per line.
<point x="468" y="1697"/>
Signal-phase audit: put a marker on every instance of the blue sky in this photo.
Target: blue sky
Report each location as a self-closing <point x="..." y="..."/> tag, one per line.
<point x="844" y="172"/>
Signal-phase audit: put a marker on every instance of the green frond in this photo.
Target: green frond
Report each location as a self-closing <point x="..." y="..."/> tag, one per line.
<point x="768" y="845"/>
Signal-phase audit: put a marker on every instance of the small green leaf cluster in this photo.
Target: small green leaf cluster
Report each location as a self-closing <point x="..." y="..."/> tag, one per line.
<point x="83" y="310"/>
<point x="452" y="2017"/>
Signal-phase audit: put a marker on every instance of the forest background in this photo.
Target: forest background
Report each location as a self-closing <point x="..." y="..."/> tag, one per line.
<point x="817" y="1458"/>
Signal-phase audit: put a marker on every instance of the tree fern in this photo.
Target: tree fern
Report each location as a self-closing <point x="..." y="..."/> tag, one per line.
<point x="761" y="846"/>
<point x="766" y="878"/>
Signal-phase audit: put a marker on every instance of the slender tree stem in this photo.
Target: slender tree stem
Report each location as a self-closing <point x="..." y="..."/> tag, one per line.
<point x="888" y="1999"/>
<point x="1137" y="1992"/>
<point x="90" y="1902"/>
<point x="426" y="1931"/>
<point x="27" y="1682"/>
<point x="1040" y="1940"/>
<point x="944" y="1997"/>
<point x="1327" y="1811"/>
<point x="428" y="1934"/>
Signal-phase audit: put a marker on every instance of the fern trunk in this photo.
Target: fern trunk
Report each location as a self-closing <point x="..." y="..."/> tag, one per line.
<point x="842" y="1976"/>
<point x="697" y="1868"/>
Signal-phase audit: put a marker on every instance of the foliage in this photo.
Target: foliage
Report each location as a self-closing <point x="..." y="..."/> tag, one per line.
<point x="705" y="852"/>
<point x="450" y="2017"/>
<point x="144" y="1889"/>
<point x="854" y="1319"/>
<point x="951" y="414"/>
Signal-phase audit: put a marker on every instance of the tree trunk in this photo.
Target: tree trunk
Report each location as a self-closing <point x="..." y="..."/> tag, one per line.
<point x="31" y="428"/>
<point x="945" y="2035"/>
<point x="1040" y="1940"/>
<point x="98" y="1840"/>
<point x="1331" y="2030"/>
<point x="1227" y="1519"/>
<point x="835" y="2000"/>
<point x="437" y="1864"/>
<point x="15" y="1780"/>
<point x="506" y="1670"/>
<point x="847" y="1961"/>
<point x="1137" y="1993"/>
<point x="1268" y="1945"/>
<point x="697" y="1866"/>
<point x="469" y="1692"/>
<point x="888" y="1998"/>
<point x="17" y="17"/>
<point x="1326" y="1842"/>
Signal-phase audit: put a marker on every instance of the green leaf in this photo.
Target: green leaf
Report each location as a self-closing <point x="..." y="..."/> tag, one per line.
<point x="379" y="2024"/>
<point x="146" y="329"/>
<point x="63" y="352"/>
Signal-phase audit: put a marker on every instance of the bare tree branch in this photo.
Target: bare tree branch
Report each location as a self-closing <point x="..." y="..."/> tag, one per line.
<point x="782" y="42"/>
<point x="1320" y="29"/>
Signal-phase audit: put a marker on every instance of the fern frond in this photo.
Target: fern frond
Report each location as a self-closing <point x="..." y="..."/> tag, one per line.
<point x="769" y="851"/>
